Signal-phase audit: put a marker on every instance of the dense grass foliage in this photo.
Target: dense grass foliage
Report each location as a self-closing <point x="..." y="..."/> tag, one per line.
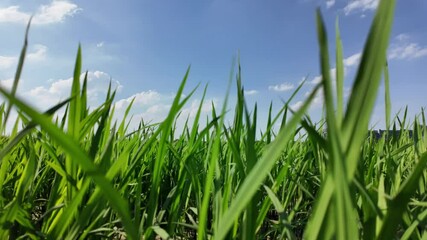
<point x="83" y="175"/>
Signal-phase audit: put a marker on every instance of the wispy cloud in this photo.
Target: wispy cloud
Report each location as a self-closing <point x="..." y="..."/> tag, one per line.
<point x="402" y="37"/>
<point x="152" y="106"/>
<point x="100" y="44"/>
<point x="12" y="14"/>
<point x="317" y="79"/>
<point x="38" y="54"/>
<point x="360" y="6"/>
<point x="349" y="63"/>
<point x="330" y="3"/>
<point x="296" y="106"/>
<point x="251" y="92"/>
<point x="54" y="12"/>
<point x="142" y="99"/>
<point x="60" y="89"/>
<point x="403" y="49"/>
<point x="353" y="60"/>
<point x="407" y="51"/>
<point x="316" y="103"/>
<point x="281" y="87"/>
<point x="7" y="62"/>
<point x="7" y="83"/>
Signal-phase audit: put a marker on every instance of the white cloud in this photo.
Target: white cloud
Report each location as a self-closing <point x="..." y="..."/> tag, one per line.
<point x="39" y="54"/>
<point x="7" y="62"/>
<point x="318" y="100"/>
<point x="353" y="60"/>
<point x="360" y="6"/>
<point x="330" y="3"/>
<point x="55" y="12"/>
<point x="402" y="37"/>
<point x="403" y="49"/>
<point x="407" y="51"/>
<point x="316" y="103"/>
<point x="60" y="89"/>
<point x="349" y="62"/>
<point x="12" y="14"/>
<point x="251" y="92"/>
<point x="100" y="44"/>
<point x="281" y="87"/>
<point x="7" y="83"/>
<point x="142" y="99"/>
<point x="191" y="110"/>
<point x="316" y="80"/>
<point x="152" y="106"/>
<point x="296" y="106"/>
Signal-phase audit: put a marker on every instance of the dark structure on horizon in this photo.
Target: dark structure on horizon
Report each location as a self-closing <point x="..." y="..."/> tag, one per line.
<point x="377" y="134"/>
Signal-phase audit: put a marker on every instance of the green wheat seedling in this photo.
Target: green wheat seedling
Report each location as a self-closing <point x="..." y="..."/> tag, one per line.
<point x="81" y="174"/>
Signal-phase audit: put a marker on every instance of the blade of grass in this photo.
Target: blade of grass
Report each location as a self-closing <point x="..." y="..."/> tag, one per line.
<point x="260" y="171"/>
<point x="339" y="74"/>
<point x="80" y="157"/>
<point x="18" y="72"/>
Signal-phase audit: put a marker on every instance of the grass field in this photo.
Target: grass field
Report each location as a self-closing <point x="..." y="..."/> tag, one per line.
<point x="82" y="175"/>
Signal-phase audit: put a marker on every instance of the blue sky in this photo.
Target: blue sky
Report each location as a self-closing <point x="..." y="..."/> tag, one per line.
<point x="146" y="46"/>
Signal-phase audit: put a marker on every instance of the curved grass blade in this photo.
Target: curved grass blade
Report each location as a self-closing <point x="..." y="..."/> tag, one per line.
<point x="356" y="119"/>
<point x="18" y="72"/>
<point x="366" y="84"/>
<point x="398" y="204"/>
<point x="339" y="74"/>
<point x="260" y="171"/>
<point x="212" y="167"/>
<point x="387" y="96"/>
<point x="31" y="125"/>
<point x="72" y="148"/>
<point x="344" y="214"/>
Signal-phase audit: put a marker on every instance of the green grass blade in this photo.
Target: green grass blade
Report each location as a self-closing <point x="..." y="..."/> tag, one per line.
<point x="260" y="171"/>
<point x="212" y="164"/>
<point x="365" y="87"/>
<point x="18" y="72"/>
<point x="339" y="74"/>
<point x="165" y="127"/>
<point x="387" y="97"/>
<point x="344" y="215"/>
<point x="398" y="204"/>
<point x="80" y="157"/>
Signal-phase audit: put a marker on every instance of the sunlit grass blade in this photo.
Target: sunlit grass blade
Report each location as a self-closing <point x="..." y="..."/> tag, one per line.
<point x="18" y="73"/>
<point x="398" y="204"/>
<point x="83" y="98"/>
<point x="260" y="171"/>
<point x="344" y="214"/>
<point x="356" y="120"/>
<point x="212" y="161"/>
<point x="367" y="81"/>
<point x="339" y="74"/>
<point x="73" y="128"/>
<point x="75" y="104"/>
<point x="72" y="148"/>
<point x="13" y="142"/>
<point x="387" y="98"/>
<point x="166" y="128"/>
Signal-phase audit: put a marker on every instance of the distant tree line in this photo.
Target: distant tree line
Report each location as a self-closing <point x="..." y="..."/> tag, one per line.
<point x="377" y="134"/>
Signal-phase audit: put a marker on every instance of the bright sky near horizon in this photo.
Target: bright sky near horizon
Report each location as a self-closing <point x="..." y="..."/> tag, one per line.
<point x="145" y="47"/>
